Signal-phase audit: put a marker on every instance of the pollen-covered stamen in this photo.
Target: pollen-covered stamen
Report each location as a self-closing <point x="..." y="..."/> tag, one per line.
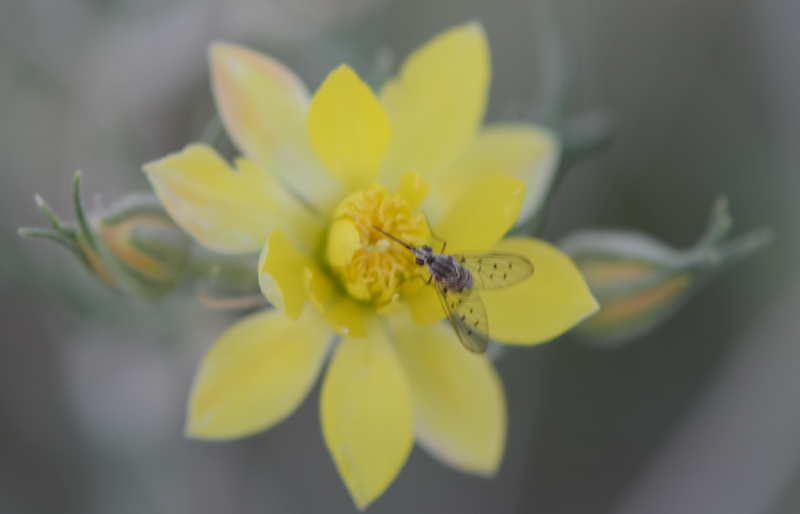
<point x="370" y="265"/>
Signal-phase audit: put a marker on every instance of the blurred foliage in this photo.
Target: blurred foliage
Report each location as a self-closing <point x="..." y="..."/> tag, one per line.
<point x="134" y="248"/>
<point x="640" y="282"/>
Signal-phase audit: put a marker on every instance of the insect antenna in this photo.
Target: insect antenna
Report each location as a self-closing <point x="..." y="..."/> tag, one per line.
<point x="390" y="236"/>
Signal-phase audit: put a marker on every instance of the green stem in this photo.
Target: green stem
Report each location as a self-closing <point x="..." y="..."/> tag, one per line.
<point x="86" y="228"/>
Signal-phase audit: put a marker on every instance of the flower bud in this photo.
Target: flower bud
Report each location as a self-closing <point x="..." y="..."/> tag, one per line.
<point x="134" y="247"/>
<point x="639" y="282"/>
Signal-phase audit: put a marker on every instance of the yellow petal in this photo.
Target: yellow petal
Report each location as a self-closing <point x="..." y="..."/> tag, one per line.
<point x="343" y="314"/>
<point x="280" y="274"/>
<point x="526" y="152"/>
<point x="226" y="210"/>
<point x="367" y="415"/>
<point x="424" y="305"/>
<point x="344" y="239"/>
<point x="482" y="214"/>
<point x="348" y="128"/>
<point x="553" y="300"/>
<point x="256" y="374"/>
<point x="437" y="103"/>
<point x="414" y="188"/>
<point x="263" y="106"/>
<point x="459" y="400"/>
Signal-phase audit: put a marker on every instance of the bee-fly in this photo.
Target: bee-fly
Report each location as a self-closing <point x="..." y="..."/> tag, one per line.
<point x="458" y="277"/>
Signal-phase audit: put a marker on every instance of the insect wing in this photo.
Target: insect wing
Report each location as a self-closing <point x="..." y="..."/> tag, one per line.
<point x="468" y="317"/>
<point x="493" y="270"/>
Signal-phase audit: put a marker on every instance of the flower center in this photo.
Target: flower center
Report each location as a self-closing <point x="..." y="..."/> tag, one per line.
<point x="369" y="265"/>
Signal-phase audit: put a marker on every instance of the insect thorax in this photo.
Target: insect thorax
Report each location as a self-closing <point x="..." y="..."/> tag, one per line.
<point x="446" y="270"/>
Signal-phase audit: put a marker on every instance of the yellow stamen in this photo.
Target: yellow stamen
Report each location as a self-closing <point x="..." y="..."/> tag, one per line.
<point x="370" y="265"/>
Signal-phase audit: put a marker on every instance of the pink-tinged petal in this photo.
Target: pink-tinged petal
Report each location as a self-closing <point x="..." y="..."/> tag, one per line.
<point x="437" y="103"/>
<point x="459" y="401"/>
<point x="225" y="209"/>
<point x="256" y="374"/>
<point x="348" y="128"/>
<point x="544" y="306"/>
<point x="367" y="414"/>
<point x="263" y="106"/>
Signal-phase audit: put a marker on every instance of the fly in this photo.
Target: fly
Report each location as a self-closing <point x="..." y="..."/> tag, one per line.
<point x="458" y="277"/>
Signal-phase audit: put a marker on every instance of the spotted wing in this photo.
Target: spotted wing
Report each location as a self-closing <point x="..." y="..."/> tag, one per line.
<point x="467" y="315"/>
<point x="494" y="270"/>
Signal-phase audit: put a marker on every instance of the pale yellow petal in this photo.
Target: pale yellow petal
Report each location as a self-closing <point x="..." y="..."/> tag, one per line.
<point x="437" y="102"/>
<point x="256" y="374"/>
<point x="367" y="414"/>
<point x="263" y="106"/>
<point x="459" y="401"/>
<point x="348" y="128"/>
<point x="280" y="274"/>
<point x="553" y="300"/>
<point x="413" y="188"/>
<point x="343" y="314"/>
<point x="481" y="215"/>
<point x="526" y="152"/>
<point x="225" y="209"/>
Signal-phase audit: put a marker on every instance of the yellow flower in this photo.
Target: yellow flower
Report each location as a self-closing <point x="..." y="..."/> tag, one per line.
<point x="319" y="172"/>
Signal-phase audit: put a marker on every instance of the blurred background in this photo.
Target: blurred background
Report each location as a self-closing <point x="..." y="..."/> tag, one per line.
<point x="700" y="416"/>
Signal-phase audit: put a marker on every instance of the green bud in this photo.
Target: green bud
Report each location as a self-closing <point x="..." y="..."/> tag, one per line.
<point x="134" y="247"/>
<point x="639" y="282"/>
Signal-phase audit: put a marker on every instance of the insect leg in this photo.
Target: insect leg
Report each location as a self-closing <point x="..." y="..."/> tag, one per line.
<point x="430" y="231"/>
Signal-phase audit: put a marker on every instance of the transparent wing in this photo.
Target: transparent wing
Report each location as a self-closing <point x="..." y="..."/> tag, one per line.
<point x="493" y="270"/>
<point x="467" y="315"/>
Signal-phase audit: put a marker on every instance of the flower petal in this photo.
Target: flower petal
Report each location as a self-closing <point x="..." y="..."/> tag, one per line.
<point x="367" y="415"/>
<point x="343" y="314"/>
<point x="553" y="300"/>
<point x="263" y="106"/>
<point x="437" y="103"/>
<point x="256" y="374"/>
<point x="413" y="188"/>
<point x="226" y="210"/>
<point x="348" y="128"/>
<point x="482" y="214"/>
<point x="344" y="239"/>
<point x="459" y="401"/>
<point x="280" y="274"/>
<point x="424" y="305"/>
<point x="526" y="152"/>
